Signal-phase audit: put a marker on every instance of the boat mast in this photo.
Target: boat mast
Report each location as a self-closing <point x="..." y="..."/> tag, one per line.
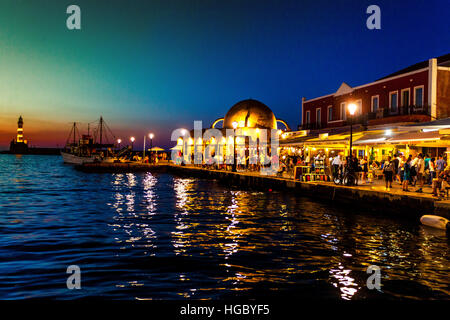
<point x="101" y="130"/>
<point x="74" y="129"/>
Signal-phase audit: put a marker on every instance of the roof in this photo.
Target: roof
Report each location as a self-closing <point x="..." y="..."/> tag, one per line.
<point x="443" y="60"/>
<point x="420" y="65"/>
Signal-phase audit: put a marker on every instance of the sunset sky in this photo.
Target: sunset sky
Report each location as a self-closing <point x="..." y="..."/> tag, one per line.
<point x="159" y="65"/>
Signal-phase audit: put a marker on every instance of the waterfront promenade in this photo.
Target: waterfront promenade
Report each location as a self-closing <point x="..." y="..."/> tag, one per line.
<point x="372" y="197"/>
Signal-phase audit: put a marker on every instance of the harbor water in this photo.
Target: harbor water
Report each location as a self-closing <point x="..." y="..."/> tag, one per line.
<point x="159" y="236"/>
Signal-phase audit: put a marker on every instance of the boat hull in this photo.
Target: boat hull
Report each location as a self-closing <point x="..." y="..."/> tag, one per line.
<point x="73" y="159"/>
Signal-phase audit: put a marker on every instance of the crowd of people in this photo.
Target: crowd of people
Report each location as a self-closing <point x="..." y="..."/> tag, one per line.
<point x="153" y="158"/>
<point x="408" y="171"/>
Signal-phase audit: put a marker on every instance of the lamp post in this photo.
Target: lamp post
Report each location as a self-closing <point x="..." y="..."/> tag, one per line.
<point x="151" y="135"/>
<point x="257" y="148"/>
<point x="143" y="151"/>
<point x="119" y="141"/>
<point x="351" y="109"/>
<point x="233" y="169"/>
<point x="132" y="142"/>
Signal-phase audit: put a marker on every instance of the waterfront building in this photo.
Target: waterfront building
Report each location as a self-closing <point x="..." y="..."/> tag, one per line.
<point x="418" y="93"/>
<point x="19" y="145"/>
<point x="387" y="116"/>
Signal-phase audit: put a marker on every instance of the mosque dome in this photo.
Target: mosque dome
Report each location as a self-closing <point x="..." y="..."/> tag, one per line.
<point x="251" y="114"/>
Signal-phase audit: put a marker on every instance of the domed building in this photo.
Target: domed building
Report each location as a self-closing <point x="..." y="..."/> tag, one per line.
<point x="246" y="114"/>
<point x="250" y="113"/>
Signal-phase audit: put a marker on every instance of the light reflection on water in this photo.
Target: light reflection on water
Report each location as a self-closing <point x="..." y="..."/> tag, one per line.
<point x="159" y="236"/>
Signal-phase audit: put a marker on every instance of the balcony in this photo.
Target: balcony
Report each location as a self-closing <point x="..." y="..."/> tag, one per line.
<point x="375" y="117"/>
<point x="401" y="111"/>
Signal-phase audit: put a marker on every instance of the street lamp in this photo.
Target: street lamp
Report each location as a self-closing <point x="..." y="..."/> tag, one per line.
<point x="351" y="109"/>
<point x="119" y="141"/>
<point x="151" y="135"/>
<point x="257" y="147"/>
<point x="132" y="142"/>
<point x="235" y="124"/>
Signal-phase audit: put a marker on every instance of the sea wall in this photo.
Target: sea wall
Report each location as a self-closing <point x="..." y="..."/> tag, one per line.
<point x="377" y="202"/>
<point x="371" y="200"/>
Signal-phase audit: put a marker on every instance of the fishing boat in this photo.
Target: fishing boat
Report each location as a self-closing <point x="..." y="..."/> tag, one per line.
<point x="89" y="148"/>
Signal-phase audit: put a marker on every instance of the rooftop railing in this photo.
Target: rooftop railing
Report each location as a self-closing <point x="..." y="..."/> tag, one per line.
<point x="383" y="112"/>
<point x="400" y="111"/>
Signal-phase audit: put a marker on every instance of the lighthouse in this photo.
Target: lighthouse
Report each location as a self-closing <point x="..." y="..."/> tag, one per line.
<point x="19" y="145"/>
<point x="19" y="130"/>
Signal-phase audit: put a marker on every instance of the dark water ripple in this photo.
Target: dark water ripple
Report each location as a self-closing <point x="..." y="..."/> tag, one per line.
<point x="143" y="236"/>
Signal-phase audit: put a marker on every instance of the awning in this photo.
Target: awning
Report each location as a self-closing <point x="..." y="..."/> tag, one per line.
<point x="430" y="125"/>
<point x="416" y="137"/>
<point x="295" y="141"/>
<point x="157" y="149"/>
<point x="371" y="138"/>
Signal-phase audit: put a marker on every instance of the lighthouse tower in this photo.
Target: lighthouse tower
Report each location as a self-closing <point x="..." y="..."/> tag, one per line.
<point x="19" y="145"/>
<point x="19" y="130"/>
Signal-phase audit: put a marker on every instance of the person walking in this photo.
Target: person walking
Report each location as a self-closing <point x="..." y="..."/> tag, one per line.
<point x="440" y="165"/>
<point x="420" y="167"/>
<point x="336" y="163"/>
<point x="401" y="162"/>
<point x="407" y="173"/>
<point x="396" y="163"/>
<point x="413" y="171"/>
<point x="432" y="168"/>
<point x="364" y="169"/>
<point x="388" y="170"/>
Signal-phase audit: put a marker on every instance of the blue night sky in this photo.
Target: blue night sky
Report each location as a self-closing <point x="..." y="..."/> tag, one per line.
<point x="159" y="65"/>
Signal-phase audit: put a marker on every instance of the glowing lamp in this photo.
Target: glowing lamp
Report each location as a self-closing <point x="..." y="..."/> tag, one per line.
<point x="352" y="108"/>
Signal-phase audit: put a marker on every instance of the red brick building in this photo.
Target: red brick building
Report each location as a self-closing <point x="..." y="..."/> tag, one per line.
<point x="418" y="93"/>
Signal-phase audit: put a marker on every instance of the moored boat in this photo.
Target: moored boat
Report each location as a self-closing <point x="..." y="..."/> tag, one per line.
<point x="74" y="159"/>
<point x="87" y="149"/>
